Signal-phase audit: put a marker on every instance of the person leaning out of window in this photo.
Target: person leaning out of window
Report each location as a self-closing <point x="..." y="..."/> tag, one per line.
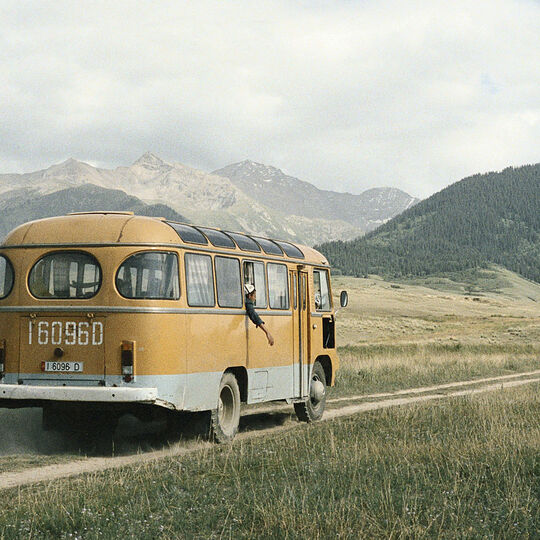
<point x="251" y="295"/>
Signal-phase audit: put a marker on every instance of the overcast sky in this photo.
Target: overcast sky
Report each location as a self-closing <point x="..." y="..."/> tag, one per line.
<point x="345" y="94"/>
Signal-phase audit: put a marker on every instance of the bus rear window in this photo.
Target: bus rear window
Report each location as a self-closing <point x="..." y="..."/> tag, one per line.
<point x="6" y="277"/>
<point x="150" y="275"/>
<point x="65" y="274"/>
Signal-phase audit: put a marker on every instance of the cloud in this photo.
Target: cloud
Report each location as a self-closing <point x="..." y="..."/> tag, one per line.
<point x="346" y="94"/>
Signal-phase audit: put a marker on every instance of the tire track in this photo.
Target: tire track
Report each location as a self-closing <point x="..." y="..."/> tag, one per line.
<point x="49" y="473"/>
<point x="406" y="391"/>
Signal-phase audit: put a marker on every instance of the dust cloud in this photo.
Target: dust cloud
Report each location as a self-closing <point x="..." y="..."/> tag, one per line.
<point x="22" y="433"/>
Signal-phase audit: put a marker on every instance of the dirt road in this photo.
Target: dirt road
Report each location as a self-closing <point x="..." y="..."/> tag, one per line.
<point x="401" y="397"/>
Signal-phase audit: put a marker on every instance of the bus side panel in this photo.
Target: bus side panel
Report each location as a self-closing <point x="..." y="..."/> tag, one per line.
<point x="217" y="342"/>
<point x="270" y="369"/>
<point x="160" y="352"/>
<point x="214" y="343"/>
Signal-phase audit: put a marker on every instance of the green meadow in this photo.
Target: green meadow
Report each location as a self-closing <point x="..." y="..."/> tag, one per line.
<point x="459" y="467"/>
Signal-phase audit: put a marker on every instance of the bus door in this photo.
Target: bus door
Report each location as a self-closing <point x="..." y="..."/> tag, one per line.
<point x="293" y="280"/>
<point x="303" y="334"/>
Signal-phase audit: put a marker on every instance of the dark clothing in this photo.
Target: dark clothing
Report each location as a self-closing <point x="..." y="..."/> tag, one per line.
<point x="252" y="314"/>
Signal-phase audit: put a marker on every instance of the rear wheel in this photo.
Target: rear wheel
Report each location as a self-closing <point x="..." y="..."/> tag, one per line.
<point x="312" y="409"/>
<point x="225" y="419"/>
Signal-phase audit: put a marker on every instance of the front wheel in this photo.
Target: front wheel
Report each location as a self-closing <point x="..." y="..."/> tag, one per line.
<point x="226" y="418"/>
<point x="312" y="409"/>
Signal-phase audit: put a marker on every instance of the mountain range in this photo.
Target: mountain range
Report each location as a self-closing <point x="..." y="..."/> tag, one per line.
<point x="274" y="189"/>
<point x="480" y="220"/>
<point x="24" y="205"/>
<point x="245" y="196"/>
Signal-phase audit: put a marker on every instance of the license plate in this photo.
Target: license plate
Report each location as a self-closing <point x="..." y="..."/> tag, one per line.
<point x="65" y="367"/>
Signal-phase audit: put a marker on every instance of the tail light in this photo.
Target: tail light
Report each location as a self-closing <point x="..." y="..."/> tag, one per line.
<point x="2" y="357"/>
<point x="128" y="360"/>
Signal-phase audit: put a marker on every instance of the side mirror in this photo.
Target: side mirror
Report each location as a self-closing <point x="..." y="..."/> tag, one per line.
<point x="343" y="299"/>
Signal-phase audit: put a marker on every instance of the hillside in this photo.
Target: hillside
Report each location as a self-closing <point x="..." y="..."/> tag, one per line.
<point x="216" y="200"/>
<point x="25" y="205"/>
<point x="486" y="218"/>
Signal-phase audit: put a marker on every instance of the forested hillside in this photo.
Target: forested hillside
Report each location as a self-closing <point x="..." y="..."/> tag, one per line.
<point x="487" y="218"/>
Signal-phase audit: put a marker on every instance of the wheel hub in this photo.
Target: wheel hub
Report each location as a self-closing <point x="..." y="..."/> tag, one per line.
<point x="317" y="391"/>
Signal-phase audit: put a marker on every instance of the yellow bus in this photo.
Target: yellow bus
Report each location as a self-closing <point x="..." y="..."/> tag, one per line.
<point x="104" y="313"/>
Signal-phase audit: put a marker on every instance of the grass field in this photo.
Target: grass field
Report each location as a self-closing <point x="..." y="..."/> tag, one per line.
<point x="462" y="467"/>
<point x="459" y="468"/>
<point x="400" y="335"/>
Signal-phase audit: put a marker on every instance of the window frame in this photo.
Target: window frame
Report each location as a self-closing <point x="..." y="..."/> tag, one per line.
<point x="212" y="273"/>
<point x="288" y="307"/>
<point x="9" y="265"/>
<point x="253" y="261"/>
<point x="56" y="252"/>
<point x="154" y="297"/>
<point x="330" y="305"/>
<point x="295" y="289"/>
<point x="217" y="284"/>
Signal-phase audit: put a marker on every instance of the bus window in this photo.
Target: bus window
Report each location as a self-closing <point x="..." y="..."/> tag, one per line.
<point x="321" y="290"/>
<point x="200" y="280"/>
<point x="304" y="292"/>
<point x="268" y="246"/>
<point x="278" y="287"/>
<point x="188" y="234"/>
<point x="295" y="290"/>
<point x="245" y="243"/>
<point x="229" y="285"/>
<point x="254" y="275"/>
<point x="217" y="238"/>
<point x="290" y="250"/>
<point x="151" y="275"/>
<point x="6" y="276"/>
<point x="65" y="274"/>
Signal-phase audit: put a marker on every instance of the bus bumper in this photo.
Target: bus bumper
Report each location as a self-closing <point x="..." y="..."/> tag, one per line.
<point x="11" y="394"/>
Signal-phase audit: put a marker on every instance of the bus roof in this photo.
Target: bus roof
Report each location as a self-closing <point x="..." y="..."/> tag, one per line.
<point x="97" y="228"/>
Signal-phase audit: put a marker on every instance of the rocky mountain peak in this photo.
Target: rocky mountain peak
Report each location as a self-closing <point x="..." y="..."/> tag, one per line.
<point x="251" y="171"/>
<point x="150" y="161"/>
<point x="71" y="168"/>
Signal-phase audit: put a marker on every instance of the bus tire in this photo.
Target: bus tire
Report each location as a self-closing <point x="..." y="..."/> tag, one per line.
<point x="312" y="409"/>
<point x="224" y="420"/>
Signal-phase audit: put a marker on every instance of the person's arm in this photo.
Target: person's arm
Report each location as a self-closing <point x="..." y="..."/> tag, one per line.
<point x="268" y="334"/>
<point x="252" y="314"/>
<point x="258" y="322"/>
